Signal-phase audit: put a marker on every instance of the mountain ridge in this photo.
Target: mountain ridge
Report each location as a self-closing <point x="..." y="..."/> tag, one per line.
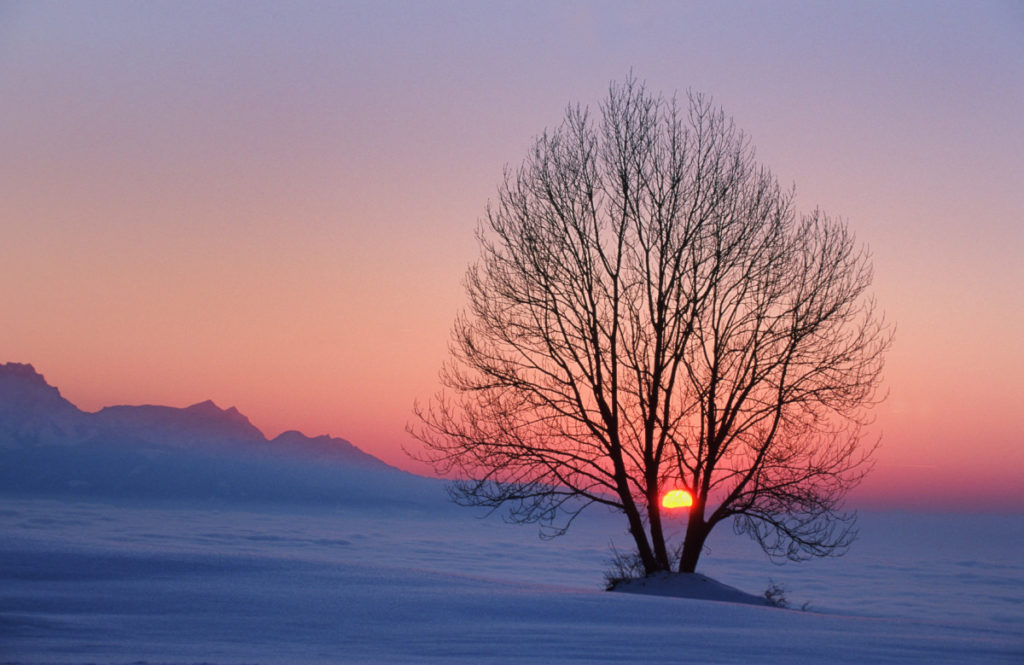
<point x="48" y="445"/>
<point x="26" y="397"/>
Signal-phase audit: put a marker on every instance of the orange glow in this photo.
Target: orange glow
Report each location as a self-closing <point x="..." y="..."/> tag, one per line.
<point x="677" y="499"/>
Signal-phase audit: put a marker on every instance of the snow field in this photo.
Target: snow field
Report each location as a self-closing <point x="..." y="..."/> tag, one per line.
<point x="96" y="583"/>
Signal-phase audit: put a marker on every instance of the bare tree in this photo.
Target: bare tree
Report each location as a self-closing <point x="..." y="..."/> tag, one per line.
<point x="649" y="312"/>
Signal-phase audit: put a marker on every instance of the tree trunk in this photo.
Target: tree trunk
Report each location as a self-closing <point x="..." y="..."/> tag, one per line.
<point x="693" y="544"/>
<point x="643" y="546"/>
<point x="657" y="532"/>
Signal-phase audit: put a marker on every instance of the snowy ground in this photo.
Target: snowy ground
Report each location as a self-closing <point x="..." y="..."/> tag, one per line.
<point x="95" y="583"/>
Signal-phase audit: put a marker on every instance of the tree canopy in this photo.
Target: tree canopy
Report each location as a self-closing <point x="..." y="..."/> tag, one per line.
<point x="650" y="312"/>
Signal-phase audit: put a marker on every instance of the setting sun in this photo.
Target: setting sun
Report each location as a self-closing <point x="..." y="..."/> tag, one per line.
<point x="677" y="499"/>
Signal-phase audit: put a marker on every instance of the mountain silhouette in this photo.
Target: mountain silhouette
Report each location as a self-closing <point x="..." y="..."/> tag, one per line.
<point x="33" y="411"/>
<point x="48" y="446"/>
<point x="201" y="424"/>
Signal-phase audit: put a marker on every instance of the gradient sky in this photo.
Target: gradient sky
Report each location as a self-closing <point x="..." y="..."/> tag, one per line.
<point x="272" y="204"/>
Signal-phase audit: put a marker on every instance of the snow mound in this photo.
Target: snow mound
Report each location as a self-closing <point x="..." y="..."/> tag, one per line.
<point x="687" y="585"/>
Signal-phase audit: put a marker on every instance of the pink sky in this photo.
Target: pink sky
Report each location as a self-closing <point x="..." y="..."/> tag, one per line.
<point x="272" y="205"/>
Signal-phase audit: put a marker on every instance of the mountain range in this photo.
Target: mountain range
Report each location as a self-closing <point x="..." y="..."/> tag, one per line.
<point x="48" y="446"/>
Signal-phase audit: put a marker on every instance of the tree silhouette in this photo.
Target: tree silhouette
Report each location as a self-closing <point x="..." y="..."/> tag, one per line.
<point x="649" y="312"/>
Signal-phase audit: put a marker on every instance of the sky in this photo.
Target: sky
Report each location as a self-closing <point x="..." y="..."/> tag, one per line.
<point x="272" y="205"/>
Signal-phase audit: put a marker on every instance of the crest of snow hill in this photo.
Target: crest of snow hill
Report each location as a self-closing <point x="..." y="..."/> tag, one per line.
<point x="48" y="446"/>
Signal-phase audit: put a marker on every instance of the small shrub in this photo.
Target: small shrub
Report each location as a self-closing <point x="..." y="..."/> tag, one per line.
<point x="775" y="595"/>
<point x="623" y="567"/>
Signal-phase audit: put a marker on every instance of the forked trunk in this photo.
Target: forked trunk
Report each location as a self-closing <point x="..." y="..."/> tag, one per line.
<point x="693" y="544"/>
<point x="657" y="533"/>
<point x="643" y="546"/>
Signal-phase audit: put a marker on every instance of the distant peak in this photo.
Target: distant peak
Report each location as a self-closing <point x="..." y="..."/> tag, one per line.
<point x="206" y="406"/>
<point x="22" y="387"/>
<point x="24" y="370"/>
<point x="24" y="374"/>
<point x="209" y="411"/>
<point x="210" y="407"/>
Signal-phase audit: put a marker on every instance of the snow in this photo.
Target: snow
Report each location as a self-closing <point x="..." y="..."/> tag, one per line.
<point x="126" y="583"/>
<point x="688" y="585"/>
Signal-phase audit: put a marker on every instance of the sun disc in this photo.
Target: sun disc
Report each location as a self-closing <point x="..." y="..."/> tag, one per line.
<point x="677" y="499"/>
